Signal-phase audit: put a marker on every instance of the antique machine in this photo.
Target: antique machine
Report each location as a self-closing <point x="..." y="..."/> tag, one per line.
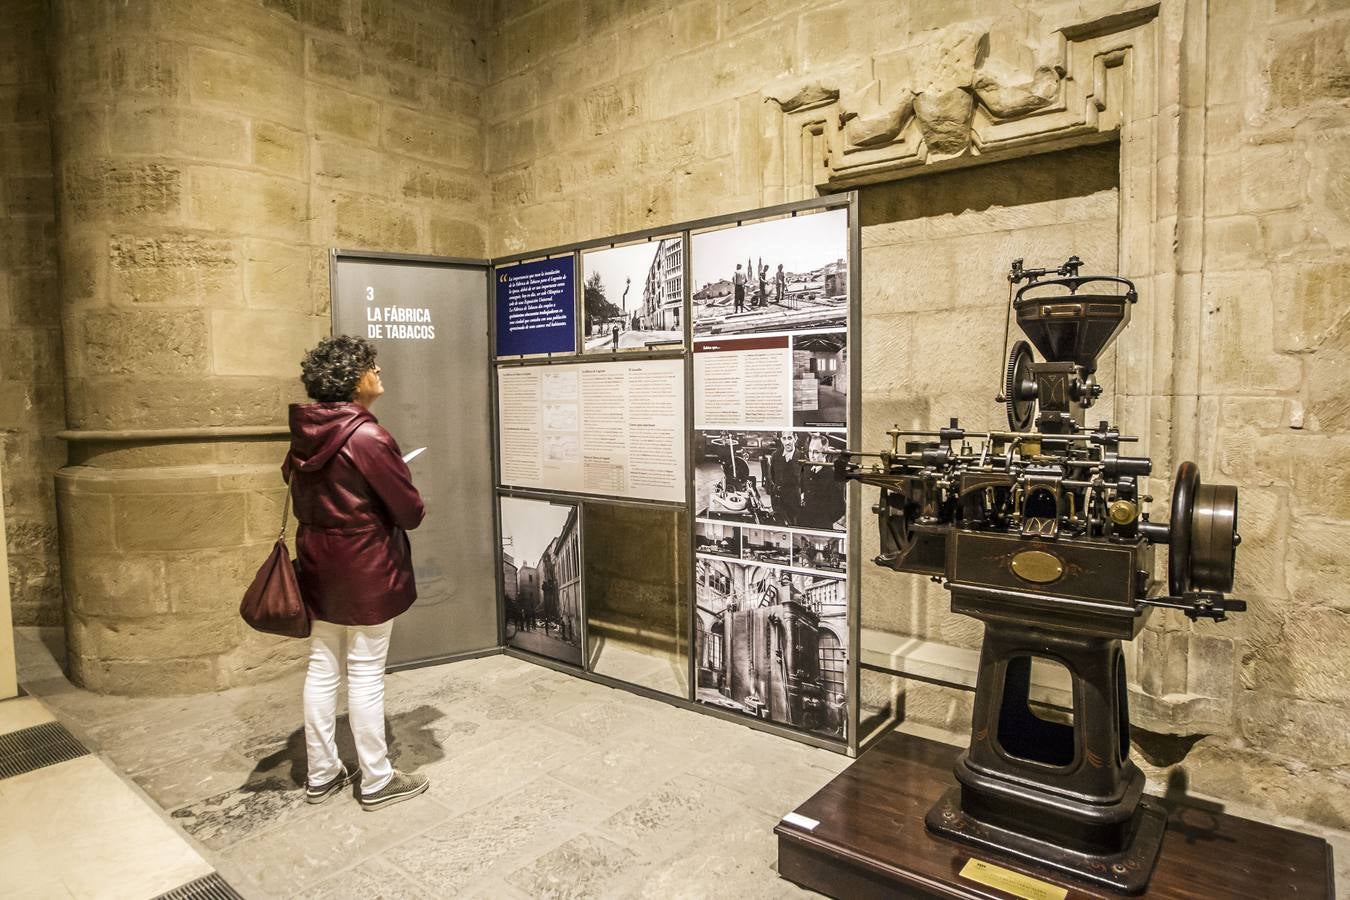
<point x="1040" y="532"/>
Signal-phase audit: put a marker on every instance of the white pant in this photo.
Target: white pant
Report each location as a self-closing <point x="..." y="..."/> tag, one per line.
<point x="367" y="647"/>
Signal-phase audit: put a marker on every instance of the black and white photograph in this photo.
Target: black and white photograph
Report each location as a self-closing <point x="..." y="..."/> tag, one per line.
<point x="729" y="476"/>
<point x="541" y="577"/>
<point x="773" y="644"/>
<point x="820" y="380"/>
<point x="716" y="538"/>
<point x="766" y="545"/>
<point x="769" y="478"/>
<point x="783" y="274"/>
<point x="819" y="551"/>
<point x="634" y="296"/>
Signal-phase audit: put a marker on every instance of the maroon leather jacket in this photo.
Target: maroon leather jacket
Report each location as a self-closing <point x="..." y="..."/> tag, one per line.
<point x="355" y="502"/>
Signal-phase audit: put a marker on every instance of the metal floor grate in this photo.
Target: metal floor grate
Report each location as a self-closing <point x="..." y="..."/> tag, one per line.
<point x="208" y="887"/>
<point x="33" y="748"/>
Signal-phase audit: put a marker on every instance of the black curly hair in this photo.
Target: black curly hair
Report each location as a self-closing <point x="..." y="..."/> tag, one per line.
<point x="332" y="369"/>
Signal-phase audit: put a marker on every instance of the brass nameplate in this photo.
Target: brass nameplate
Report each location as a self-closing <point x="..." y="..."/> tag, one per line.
<point x="1011" y="882"/>
<point x="1037" y="566"/>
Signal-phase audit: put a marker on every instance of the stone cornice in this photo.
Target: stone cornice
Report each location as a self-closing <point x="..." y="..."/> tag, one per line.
<point x="146" y="435"/>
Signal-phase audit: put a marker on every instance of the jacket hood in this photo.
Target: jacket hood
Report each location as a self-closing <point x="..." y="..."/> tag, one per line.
<point x="319" y="431"/>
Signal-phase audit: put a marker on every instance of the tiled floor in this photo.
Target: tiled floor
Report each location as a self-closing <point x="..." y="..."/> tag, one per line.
<point x="76" y="829"/>
<point x="542" y="785"/>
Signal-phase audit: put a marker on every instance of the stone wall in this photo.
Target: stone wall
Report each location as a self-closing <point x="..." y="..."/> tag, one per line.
<point x="32" y="403"/>
<point x="206" y="163"/>
<point x="609" y="117"/>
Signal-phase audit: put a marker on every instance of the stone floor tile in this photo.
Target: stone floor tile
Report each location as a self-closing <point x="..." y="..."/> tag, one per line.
<point x="370" y="879"/>
<point x="598" y="718"/>
<point x="739" y="860"/>
<point x="581" y="867"/>
<point x="491" y="771"/>
<point x="625" y="766"/>
<point x="674" y="814"/>
<point x="186" y="781"/>
<point x="494" y="840"/>
<point x="18" y="713"/>
<point x="234" y="815"/>
<point x="309" y="849"/>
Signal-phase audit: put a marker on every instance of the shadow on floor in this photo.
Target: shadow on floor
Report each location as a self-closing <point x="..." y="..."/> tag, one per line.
<point x="412" y="744"/>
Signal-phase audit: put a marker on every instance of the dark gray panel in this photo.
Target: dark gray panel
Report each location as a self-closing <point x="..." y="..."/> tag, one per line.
<point x="437" y="396"/>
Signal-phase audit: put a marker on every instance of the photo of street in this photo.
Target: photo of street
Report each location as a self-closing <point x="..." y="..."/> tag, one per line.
<point x="633" y="296"/>
<point x="541" y="577"/>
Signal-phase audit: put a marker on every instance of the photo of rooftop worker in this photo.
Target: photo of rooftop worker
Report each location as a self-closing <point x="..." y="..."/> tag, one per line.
<point x="633" y="296"/>
<point x="782" y="274"/>
<point x="729" y="476"/>
<point x="765" y="546"/>
<point x="820" y="380"/>
<point x="818" y="551"/>
<point x="722" y="540"/>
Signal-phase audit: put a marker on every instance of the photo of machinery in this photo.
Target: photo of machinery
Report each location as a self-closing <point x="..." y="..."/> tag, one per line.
<point x="773" y="644"/>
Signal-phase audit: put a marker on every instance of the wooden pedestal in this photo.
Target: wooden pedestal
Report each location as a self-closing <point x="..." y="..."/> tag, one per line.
<point x="871" y="842"/>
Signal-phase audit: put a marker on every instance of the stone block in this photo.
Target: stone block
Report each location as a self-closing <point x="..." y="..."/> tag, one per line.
<point x="1232" y="243"/>
<point x="1238" y="323"/>
<point x="86" y="521"/>
<point x="135" y="402"/>
<point x="1330" y="186"/>
<point x="210" y="583"/>
<point x="179" y="521"/>
<point x="26" y="148"/>
<point x="174" y="268"/>
<point x="1274" y="176"/>
<point x="1319" y="567"/>
<point x="353" y="167"/>
<point x="123" y="67"/>
<point x="145" y="342"/>
<point x="1328" y="379"/>
<point x="1321" y="479"/>
<point x="370" y="223"/>
<point x="118" y="586"/>
<point x="1309" y="301"/>
<point x="237" y="202"/>
<point x="247" y="86"/>
<point x="330" y="111"/>
<point x="249" y="30"/>
<point x="261" y="342"/>
<point x="1253" y="412"/>
<point x="34" y="299"/>
<point x="443" y="140"/>
<point x="279" y="149"/>
<point x="144" y="678"/>
<point x="1307" y="64"/>
<point x="116" y="190"/>
<point x="29" y="195"/>
<point x="177" y="132"/>
<point x="456" y="237"/>
<point x="277" y="275"/>
<point x="426" y="182"/>
<point x="1263" y="522"/>
<point x="316" y="13"/>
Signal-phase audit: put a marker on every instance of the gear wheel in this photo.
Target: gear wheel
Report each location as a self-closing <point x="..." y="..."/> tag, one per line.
<point x="1021" y="408"/>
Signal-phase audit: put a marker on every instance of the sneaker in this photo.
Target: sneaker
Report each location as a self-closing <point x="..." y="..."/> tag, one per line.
<point x="320" y="793"/>
<point x="400" y="787"/>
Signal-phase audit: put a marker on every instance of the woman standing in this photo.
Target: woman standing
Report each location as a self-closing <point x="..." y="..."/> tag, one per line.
<point x="355" y="502"/>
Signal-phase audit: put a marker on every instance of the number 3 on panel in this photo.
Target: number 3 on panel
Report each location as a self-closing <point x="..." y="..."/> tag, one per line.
<point x="370" y="294"/>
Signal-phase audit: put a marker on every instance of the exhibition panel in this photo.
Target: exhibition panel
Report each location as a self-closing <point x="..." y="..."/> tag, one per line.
<point x="714" y="534"/>
<point x="428" y="322"/>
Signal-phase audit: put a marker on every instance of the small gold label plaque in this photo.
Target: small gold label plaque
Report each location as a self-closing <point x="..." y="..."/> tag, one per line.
<point x="1011" y="882"/>
<point x="1037" y="566"/>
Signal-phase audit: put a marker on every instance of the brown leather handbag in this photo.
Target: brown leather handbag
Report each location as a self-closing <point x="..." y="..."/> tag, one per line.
<point x="273" y="603"/>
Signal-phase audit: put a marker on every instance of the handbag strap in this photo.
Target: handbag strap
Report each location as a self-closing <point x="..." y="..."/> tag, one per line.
<point x="285" y="513"/>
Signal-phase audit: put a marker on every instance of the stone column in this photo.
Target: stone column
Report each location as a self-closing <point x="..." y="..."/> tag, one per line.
<point x="188" y="300"/>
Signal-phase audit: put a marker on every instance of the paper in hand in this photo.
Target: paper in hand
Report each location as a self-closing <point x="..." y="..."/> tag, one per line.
<point x="413" y="454"/>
